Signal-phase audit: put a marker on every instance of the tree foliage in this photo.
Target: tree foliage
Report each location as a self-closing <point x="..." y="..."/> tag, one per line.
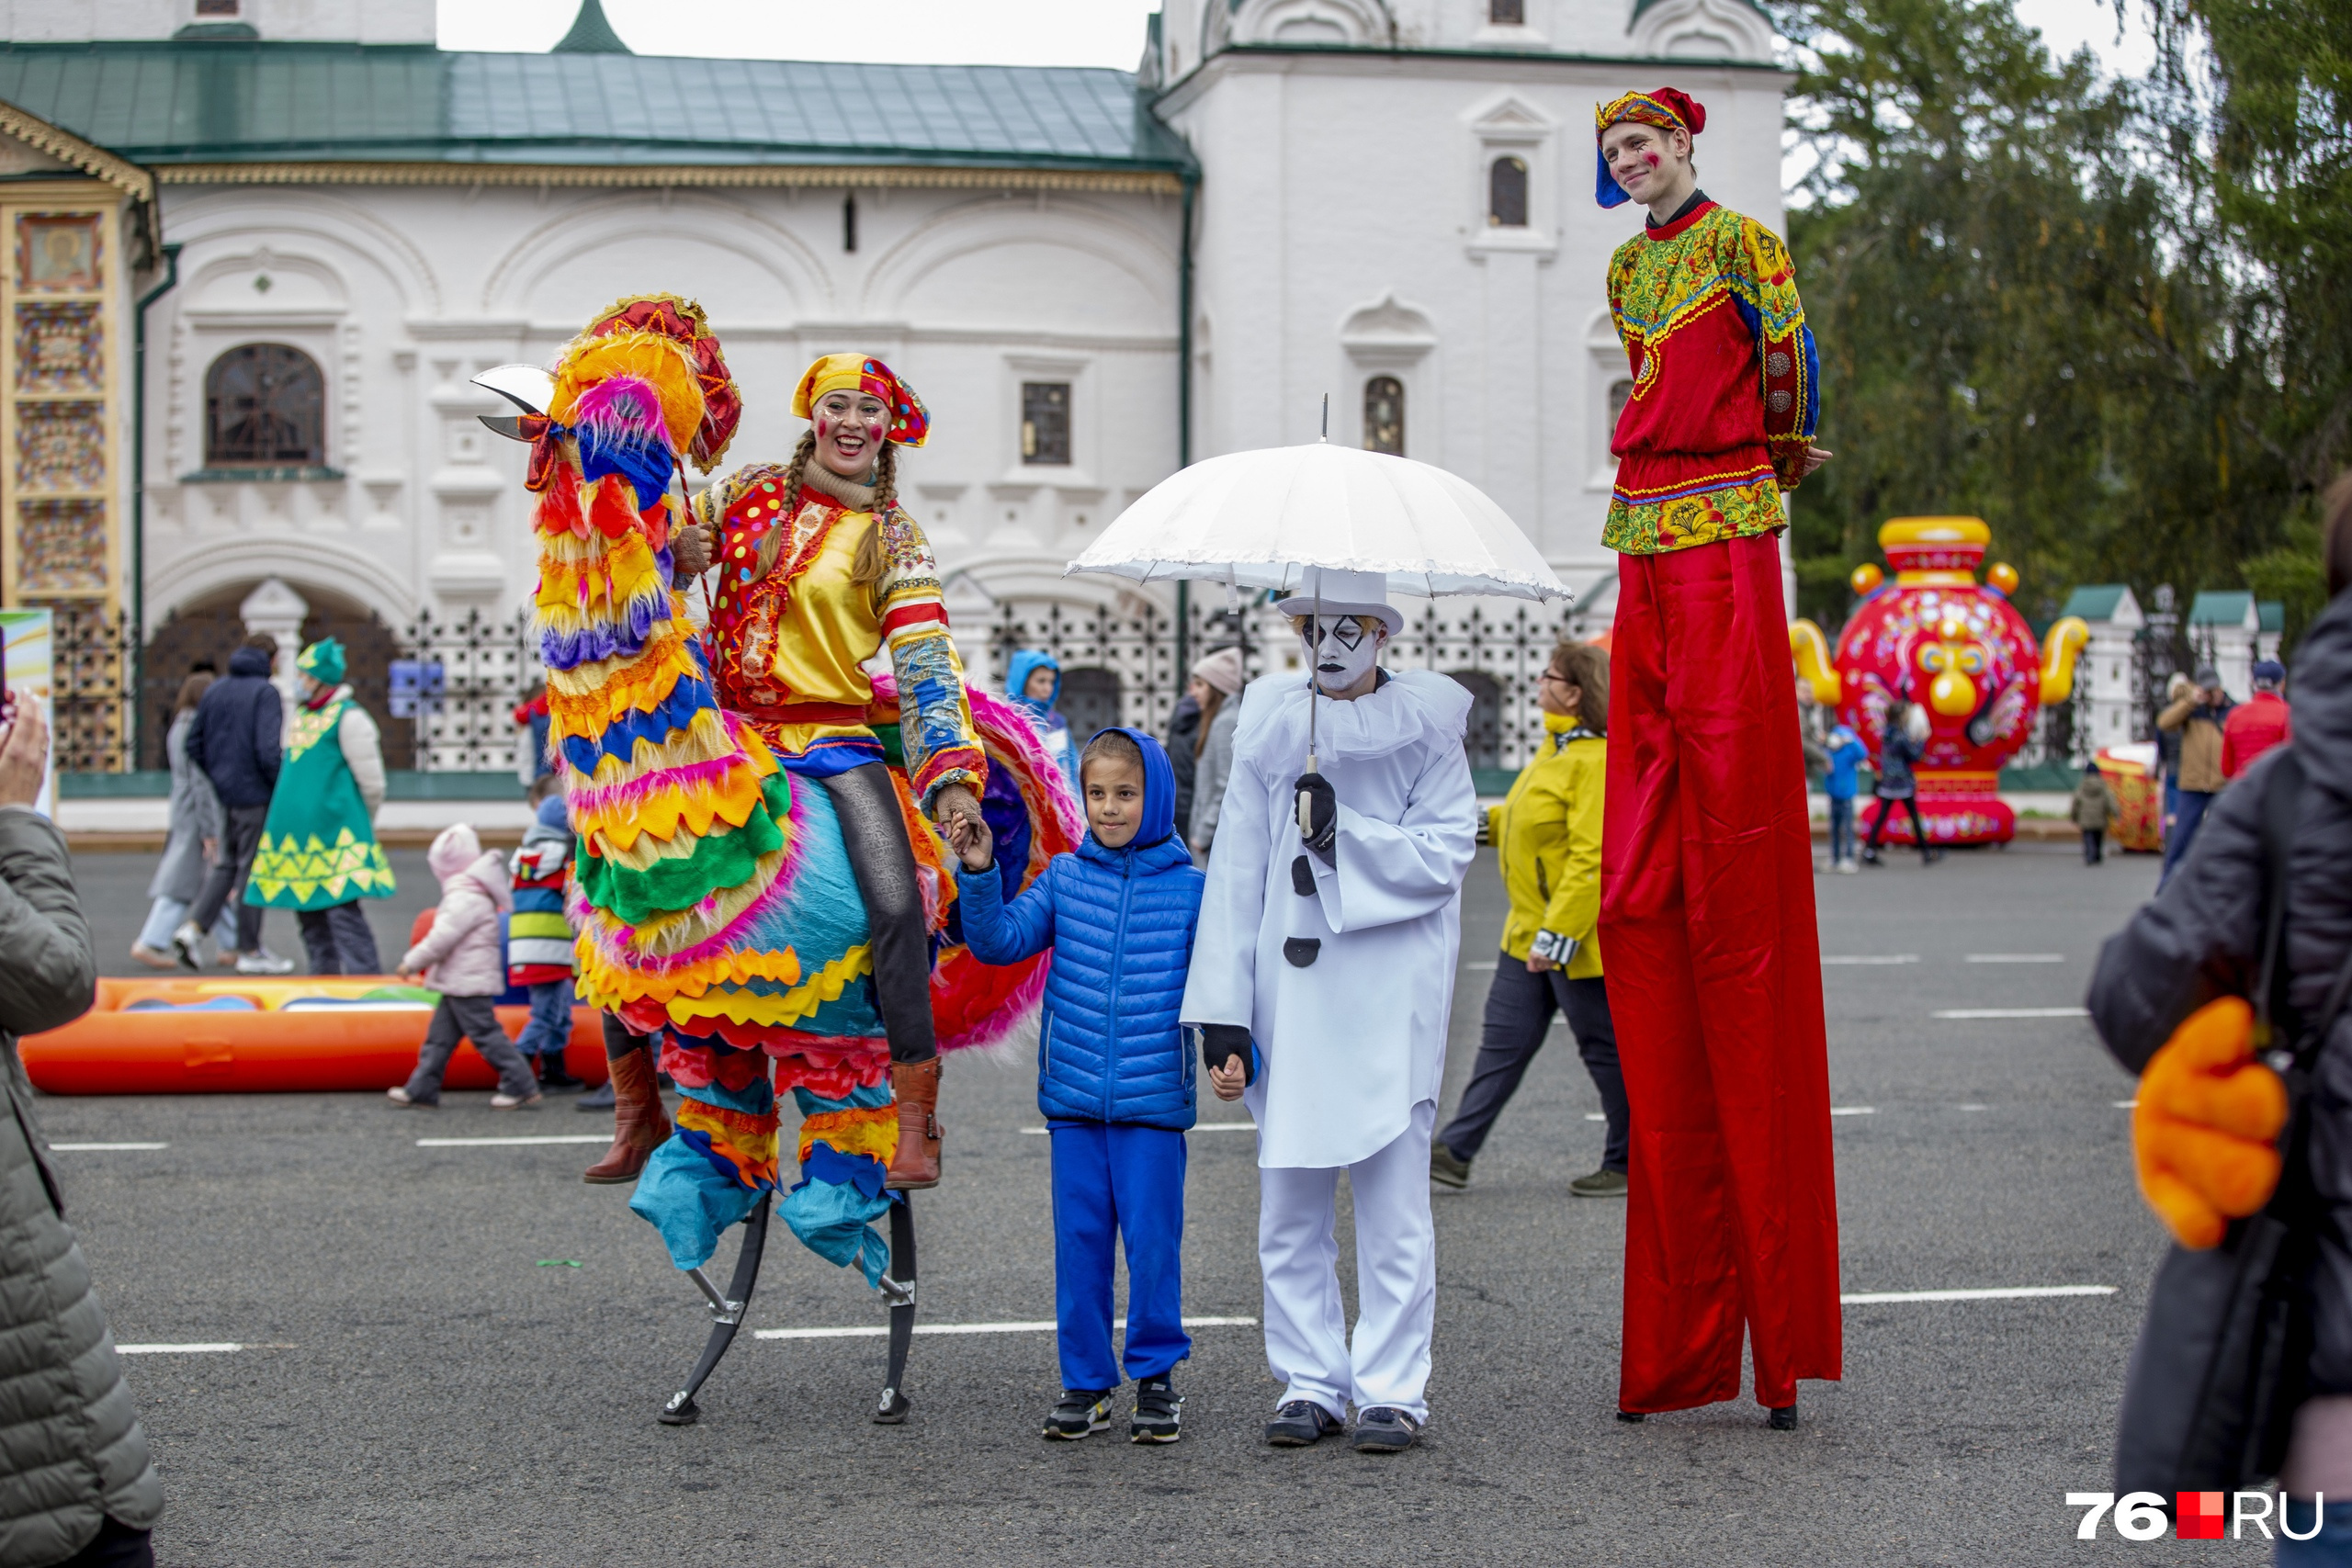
<point x="2090" y="312"/>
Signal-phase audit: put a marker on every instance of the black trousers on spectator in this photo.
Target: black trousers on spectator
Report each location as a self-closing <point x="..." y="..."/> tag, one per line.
<point x="1519" y="1014"/>
<point x="1885" y="810"/>
<point x="240" y="840"/>
<point x="339" y="939"/>
<point x="2094" y="845"/>
<point x="115" y="1546"/>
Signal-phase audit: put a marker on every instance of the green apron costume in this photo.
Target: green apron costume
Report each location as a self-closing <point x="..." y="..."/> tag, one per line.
<point x="318" y="847"/>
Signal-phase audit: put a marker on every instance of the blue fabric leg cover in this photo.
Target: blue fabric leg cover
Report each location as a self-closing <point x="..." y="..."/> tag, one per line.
<point x="839" y="1196"/>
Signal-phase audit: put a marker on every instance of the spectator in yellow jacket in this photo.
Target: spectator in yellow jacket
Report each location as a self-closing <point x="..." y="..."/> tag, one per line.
<point x="1548" y="832"/>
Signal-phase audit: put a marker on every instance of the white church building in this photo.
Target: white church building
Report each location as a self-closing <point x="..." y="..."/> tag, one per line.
<point x="306" y="227"/>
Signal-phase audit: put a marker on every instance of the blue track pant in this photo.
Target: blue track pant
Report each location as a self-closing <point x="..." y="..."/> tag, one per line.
<point x="1111" y="1181"/>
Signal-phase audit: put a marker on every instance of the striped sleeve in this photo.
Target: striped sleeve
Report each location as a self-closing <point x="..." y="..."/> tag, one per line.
<point x="935" y="728"/>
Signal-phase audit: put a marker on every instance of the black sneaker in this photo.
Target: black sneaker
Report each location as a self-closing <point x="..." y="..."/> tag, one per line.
<point x="1299" y="1424"/>
<point x="1383" y="1429"/>
<point x="1081" y="1414"/>
<point x="553" y="1077"/>
<point x="1446" y="1167"/>
<point x="1601" y="1183"/>
<point x="1158" y="1407"/>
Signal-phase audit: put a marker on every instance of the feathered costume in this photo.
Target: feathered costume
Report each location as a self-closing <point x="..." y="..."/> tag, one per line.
<point x="712" y="894"/>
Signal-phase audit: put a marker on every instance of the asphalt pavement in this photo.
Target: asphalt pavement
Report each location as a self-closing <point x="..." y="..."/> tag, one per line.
<point x="453" y="1355"/>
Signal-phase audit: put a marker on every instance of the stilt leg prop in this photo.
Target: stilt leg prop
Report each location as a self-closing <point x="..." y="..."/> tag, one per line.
<point x="727" y="1311"/>
<point x="898" y="1285"/>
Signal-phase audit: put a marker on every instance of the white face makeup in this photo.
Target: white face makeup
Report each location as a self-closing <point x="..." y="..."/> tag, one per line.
<point x="1342" y="651"/>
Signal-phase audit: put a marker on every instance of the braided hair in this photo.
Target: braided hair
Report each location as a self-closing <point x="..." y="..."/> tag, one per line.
<point x="867" y="568"/>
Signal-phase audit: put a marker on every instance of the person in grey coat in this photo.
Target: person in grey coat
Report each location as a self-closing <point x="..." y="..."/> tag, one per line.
<point x="194" y="837"/>
<point x="2199" y="939"/>
<point x="76" y="1486"/>
<point x="1211" y="772"/>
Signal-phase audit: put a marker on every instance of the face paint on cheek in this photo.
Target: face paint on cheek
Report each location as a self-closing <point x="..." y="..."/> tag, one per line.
<point x="1651" y="159"/>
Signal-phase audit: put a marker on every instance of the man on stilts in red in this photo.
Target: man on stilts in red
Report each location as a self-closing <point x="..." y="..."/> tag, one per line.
<point x="1715" y="966"/>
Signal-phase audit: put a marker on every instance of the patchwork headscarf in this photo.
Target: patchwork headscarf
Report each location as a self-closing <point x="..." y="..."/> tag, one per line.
<point x="909" y="421"/>
<point x="1668" y="108"/>
<point x="323" y="661"/>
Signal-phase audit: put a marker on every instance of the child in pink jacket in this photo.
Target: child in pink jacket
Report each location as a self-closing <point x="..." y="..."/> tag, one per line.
<point x="461" y="958"/>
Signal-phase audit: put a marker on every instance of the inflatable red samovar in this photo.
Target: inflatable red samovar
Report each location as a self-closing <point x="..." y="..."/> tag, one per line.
<point x="1958" y="648"/>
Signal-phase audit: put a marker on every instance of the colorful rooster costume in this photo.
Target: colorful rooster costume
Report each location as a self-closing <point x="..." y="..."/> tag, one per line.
<point x="715" y="894"/>
<point x="1714" y="978"/>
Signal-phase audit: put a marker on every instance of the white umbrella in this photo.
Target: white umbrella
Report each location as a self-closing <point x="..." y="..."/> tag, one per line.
<point x="1257" y="519"/>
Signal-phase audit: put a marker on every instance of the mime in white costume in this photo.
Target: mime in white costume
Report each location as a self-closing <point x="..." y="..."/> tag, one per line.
<point x="1329" y="934"/>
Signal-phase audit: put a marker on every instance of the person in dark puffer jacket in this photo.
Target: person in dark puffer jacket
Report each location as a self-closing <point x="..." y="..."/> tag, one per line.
<point x="238" y="742"/>
<point x="2156" y="1001"/>
<point x="1114" y="1078"/>
<point x="76" y="1487"/>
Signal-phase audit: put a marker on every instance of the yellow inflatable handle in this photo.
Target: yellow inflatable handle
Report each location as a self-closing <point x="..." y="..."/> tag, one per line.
<point x="2059" y="651"/>
<point x="1811" y="650"/>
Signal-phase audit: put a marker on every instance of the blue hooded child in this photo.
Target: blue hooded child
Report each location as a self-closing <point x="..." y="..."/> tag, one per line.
<point x="1114" y="1078"/>
<point x="1021" y="674"/>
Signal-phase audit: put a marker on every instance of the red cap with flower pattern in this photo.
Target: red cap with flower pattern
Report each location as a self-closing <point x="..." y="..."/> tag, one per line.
<point x="909" y="421"/>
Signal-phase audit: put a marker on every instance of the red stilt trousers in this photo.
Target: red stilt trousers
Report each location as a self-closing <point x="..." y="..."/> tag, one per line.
<point x="1715" y="982"/>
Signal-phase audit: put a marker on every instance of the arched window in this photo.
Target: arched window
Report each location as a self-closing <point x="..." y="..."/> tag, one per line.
<point x="265" y="405"/>
<point x="1383" y="415"/>
<point x="1506" y="193"/>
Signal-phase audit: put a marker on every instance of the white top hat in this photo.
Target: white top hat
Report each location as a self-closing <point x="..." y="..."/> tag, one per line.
<point x="1343" y="593"/>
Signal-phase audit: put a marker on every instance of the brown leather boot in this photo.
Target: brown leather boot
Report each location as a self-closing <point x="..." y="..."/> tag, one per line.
<point x="639" y="1125"/>
<point x="915" y="1086"/>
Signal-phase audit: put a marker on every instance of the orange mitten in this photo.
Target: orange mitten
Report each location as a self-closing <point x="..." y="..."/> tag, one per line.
<point x="2204" y="1133"/>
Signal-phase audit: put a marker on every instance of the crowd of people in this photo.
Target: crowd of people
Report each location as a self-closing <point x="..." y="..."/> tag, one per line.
<point x="1292" y="931"/>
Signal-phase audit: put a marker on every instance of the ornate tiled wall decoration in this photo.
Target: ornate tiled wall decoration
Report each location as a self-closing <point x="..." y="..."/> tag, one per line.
<point x="57" y="252"/>
<point x="61" y="347"/>
<point x="62" y="547"/>
<point x="61" y="446"/>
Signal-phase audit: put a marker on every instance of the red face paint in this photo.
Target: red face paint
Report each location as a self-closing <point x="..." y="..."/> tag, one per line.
<point x="1651" y="159"/>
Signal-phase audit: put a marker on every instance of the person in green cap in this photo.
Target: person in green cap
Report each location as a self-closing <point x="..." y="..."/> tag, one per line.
<point x="318" y="855"/>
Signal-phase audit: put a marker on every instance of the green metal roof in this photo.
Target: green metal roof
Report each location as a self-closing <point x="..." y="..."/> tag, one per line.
<point x="2220" y="607"/>
<point x="2272" y="613"/>
<point x="2095" y="601"/>
<point x="165" y="103"/>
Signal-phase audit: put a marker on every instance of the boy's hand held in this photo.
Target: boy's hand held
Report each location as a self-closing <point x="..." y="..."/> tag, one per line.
<point x="2204" y="1132"/>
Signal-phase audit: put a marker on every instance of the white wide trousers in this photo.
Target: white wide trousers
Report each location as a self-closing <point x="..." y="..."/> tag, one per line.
<point x="1307" y="1344"/>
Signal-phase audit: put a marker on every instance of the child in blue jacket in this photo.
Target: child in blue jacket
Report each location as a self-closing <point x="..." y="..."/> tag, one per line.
<point x="1846" y="753"/>
<point x="1115" y="1079"/>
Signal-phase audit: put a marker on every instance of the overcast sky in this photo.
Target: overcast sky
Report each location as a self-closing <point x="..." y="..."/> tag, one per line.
<point x="930" y="32"/>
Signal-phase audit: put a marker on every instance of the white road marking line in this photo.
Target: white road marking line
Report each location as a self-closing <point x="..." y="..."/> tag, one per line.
<point x="100" y="1149"/>
<point x="1197" y="1127"/>
<point x="508" y="1142"/>
<point x="2127" y="1105"/>
<point x="203" y="1349"/>
<point x="1853" y="1110"/>
<point x="1489" y="963"/>
<point x="875" y="1331"/>
<point x="1870" y="958"/>
<point x="2017" y="958"/>
<point x="2013" y="1292"/>
<point x="2011" y="1012"/>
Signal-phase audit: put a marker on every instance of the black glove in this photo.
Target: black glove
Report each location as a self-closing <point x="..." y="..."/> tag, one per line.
<point x="1318" y="813"/>
<point x="1220" y="1043"/>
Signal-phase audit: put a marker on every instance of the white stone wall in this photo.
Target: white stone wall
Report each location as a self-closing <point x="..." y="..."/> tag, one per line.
<point x="1344" y="234"/>
<point x="402" y="293"/>
<point x="361" y="21"/>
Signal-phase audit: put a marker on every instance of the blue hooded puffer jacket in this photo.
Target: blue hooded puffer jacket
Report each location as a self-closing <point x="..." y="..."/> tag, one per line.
<point x="1052" y="728"/>
<point x="1120" y="922"/>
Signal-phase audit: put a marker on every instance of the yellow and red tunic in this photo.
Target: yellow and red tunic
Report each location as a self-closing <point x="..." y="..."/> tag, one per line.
<point x="1725" y="383"/>
<point x="786" y="650"/>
